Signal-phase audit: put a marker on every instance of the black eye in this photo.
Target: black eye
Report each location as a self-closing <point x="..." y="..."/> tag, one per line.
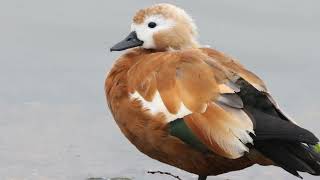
<point x="152" y="25"/>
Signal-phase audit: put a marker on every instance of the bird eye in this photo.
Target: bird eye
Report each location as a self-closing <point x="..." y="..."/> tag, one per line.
<point x="152" y="25"/>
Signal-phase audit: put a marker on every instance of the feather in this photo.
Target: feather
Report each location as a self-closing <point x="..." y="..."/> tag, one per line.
<point x="223" y="129"/>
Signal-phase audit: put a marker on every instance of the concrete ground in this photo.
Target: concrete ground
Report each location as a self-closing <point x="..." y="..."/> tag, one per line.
<point x="54" y="122"/>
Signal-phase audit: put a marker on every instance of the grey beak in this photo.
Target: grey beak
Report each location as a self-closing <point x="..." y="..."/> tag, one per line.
<point x="129" y="42"/>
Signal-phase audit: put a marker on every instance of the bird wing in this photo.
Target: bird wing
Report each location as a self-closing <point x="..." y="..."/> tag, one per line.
<point x="277" y="136"/>
<point x="187" y="78"/>
<point x="234" y="66"/>
<point x="177" y="77"/>
<point x="214" y="104"/>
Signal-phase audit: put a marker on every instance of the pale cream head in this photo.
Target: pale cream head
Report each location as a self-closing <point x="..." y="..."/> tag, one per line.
<point x="165" y="26"/>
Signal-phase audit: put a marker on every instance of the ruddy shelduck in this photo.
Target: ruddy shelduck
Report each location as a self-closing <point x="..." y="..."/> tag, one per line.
<point x="196" y="108"/>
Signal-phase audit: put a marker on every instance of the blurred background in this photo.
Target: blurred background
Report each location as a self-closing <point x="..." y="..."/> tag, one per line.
<point x="54" y="55"/>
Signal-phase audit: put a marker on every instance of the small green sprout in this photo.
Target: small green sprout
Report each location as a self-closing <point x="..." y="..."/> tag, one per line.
<point x="317" y="148"/>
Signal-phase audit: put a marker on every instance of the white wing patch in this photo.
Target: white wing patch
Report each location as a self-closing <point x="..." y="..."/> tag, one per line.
<point x="157" y="106"/>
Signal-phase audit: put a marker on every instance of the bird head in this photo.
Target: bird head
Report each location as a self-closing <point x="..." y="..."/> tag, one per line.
<point x="160" y="27"/>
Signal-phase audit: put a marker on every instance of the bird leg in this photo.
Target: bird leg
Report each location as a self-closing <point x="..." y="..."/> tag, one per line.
<point x="201" y="177"/>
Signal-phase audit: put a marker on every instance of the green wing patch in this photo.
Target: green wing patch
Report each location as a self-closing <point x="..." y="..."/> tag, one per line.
<point x="179" y="129"/>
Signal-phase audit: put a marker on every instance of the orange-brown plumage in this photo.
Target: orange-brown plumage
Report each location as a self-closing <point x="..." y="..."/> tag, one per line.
<point x="150" y="133"/>
<point x="234" y="66"/>
<point x="196" y="108"/>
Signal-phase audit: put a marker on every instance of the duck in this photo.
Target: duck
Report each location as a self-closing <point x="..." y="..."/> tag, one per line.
<point x="196" y="108"/>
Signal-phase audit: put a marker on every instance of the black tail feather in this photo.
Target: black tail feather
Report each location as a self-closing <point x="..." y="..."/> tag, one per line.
<point x="285" y="143"/>
<point x="269" y="127"/>
<point x="307" y="155"/>
<point x="292" y="157"/>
